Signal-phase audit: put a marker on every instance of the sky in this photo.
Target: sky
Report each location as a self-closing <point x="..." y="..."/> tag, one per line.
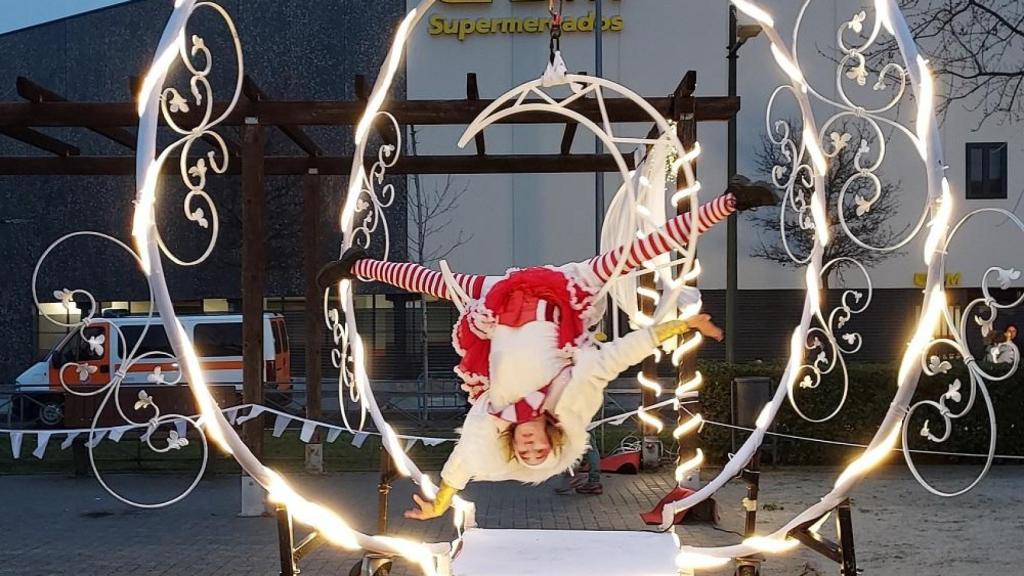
<point x="18" y="14"/>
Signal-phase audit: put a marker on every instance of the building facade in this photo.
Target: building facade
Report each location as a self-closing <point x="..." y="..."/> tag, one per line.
<point x="312" y="49"/>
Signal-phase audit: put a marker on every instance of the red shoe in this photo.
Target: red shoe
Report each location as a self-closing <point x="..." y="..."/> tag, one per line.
<point x="653" y="518"/>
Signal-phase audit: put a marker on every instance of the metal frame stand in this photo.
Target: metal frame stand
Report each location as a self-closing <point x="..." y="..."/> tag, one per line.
<point x="751" y="475"/>
<point x="368" y="565"/>
<point x="843" y="552"/>
<point x="290" y="553"/>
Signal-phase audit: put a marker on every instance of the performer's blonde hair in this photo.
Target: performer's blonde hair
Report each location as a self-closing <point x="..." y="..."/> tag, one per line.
<point x="555" y="435"/>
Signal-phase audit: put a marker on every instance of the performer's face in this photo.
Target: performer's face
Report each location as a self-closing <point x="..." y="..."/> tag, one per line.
<point x="531" y="442"/>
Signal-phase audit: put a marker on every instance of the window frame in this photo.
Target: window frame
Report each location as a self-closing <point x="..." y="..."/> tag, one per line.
<point x="987" y="184"/>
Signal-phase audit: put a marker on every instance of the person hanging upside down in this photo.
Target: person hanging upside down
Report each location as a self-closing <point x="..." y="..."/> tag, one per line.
<point x="524" y="340"/>
<point x="533" y="441"/>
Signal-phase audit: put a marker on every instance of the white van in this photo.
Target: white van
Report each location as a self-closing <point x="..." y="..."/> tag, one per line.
<point x="90" y="360"/>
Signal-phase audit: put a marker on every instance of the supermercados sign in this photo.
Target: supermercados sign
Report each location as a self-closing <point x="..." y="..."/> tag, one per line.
<point x="463" y="27"/>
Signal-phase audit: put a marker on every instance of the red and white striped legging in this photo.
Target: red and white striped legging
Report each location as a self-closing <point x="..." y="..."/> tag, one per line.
<point x="416" y="278"/>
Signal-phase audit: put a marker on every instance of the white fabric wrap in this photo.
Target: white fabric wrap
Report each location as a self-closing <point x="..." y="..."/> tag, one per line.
<point x="480" y="453"/>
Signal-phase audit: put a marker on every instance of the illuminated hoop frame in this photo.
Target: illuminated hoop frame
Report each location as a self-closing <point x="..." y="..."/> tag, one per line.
<point x="432" y="557"/>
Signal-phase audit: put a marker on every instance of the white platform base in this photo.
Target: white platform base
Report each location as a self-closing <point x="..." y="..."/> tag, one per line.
<point x="565" y="553"/>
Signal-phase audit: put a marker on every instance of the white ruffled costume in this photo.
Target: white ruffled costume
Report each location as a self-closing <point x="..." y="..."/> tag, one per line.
<point x="481" y="453"/>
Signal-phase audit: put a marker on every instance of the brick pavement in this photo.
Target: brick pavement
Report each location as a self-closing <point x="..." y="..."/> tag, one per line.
<point x="54" y="525"/>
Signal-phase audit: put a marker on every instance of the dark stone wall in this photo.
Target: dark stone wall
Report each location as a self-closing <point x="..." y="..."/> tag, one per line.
<point x="295" y="50"/>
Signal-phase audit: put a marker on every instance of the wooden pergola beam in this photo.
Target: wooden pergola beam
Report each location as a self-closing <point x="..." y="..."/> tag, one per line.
<point x="473" y="95"/>
<point x="36" y="93"/>
<point x="37" y="139"/>
<point x="294" y="133"/>
<point x="333" y="113"/>
<point x="330" y="165"/>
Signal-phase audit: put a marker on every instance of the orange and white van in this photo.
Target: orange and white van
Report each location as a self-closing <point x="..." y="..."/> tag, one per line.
<point x="91" y="356"/>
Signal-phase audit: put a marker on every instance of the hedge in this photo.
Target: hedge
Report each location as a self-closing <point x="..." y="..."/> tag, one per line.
<point x="871" y="390"/>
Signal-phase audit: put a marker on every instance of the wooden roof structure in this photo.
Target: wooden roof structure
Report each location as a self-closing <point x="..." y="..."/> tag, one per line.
<point x="44" y="108"/>
<point x="255" y="113"/>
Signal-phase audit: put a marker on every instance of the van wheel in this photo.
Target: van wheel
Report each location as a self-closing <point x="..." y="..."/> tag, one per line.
<point x="51" y="413"/>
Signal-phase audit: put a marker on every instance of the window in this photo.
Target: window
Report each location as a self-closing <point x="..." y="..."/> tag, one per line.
<point x="218" y="340"/>
<point x="77" y="348"/>
<point x="986" y="170"/>
<point x="155" y="339"/>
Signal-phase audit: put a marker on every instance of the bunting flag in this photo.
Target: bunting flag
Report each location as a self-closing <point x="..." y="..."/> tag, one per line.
<point x="42" y="439"/>
<point x="238" y="415"/>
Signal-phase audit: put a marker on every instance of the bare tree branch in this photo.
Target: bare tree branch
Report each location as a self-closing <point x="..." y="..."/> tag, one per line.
<point x="872" y="226"/>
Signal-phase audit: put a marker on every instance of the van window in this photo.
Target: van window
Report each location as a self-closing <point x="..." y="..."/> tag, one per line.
<point x="155" y="339"/>
<point x="76" y="348"/>
<point x="280" y="336"/>
<point x="216" y="340"/>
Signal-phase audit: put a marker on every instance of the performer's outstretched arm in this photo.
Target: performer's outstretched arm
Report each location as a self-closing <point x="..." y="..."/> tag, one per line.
<point x="655" y="244"/>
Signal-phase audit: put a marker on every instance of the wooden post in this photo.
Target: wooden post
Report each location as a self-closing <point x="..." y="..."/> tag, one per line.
<point x="686" y="130"/>
<point x="313" y="321"/>
<point x="253" y="277"/>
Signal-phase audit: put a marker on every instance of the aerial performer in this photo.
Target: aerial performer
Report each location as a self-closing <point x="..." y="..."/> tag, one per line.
<point x="533" y="371"/>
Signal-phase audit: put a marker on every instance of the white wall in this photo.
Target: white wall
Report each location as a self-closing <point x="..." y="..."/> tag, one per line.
<point x="534" y="219"/>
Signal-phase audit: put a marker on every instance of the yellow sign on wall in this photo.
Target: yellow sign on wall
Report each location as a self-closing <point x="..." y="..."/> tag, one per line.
<point x="952" y="279"/>
<point x="463" y="28"/>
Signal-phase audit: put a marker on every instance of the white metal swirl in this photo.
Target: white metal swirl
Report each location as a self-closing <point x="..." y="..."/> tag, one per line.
<point x="111" y="390"/>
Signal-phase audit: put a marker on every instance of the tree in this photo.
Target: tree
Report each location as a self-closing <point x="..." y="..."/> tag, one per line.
<point x="430" y="213"/>
<point x="976" y="49"/>
<point x="871" y="224"/>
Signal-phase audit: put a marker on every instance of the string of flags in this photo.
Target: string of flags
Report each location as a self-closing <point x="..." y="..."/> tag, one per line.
<point x="237" y="415"/>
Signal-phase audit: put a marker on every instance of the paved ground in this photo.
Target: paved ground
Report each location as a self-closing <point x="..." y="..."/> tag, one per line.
<point x="54" y="525"/>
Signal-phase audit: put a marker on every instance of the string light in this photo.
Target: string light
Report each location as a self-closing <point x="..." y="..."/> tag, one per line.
<point x="157" y="71"/>
<point x="871" y="458"/>
<point x="814" y="290"/>
<point x="940" y="223"/>
<point x="696" y="561"/>
<point x="935" y="306"/>
<point x="648" y="383"/>
<point x="772" y="544"/>
<point x="691" y="385"/>
<point x="689" y="426"/>
<point x="651" y="421"/>
<point x="687" y="346"/>
<point x="764" y="418"/>
<point x="882" y="13"/>
<point x="925" y="96"/>
<point x="754" y="12"/>
<point x="687" y="158"/>
<point x="789" y="67"/>
<point x="685" y="193"/>
<point x="692" y="463"/>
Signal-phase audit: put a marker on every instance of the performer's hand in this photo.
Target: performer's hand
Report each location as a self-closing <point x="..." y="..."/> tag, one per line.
<point x="426" y="509"/>
<point x="432" y="508"/>
<point x="703" y="323"/>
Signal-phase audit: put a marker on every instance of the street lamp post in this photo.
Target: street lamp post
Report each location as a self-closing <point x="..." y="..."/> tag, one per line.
<point x="738" y="36"/>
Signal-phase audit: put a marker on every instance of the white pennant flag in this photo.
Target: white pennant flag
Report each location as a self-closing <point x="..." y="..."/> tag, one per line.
<point x="179" y="425"/>
<point x="359" y="438"/>
<point x="434" y="441"/>
<point x="117" y="433"/>
<point x="411" y="443"/>
<point x="16" y="444"/>
<point x="42" y="439"/>
<point x="333" y="434"/>
<point x="95" y="438"/>
<point x="256" y="411"/>
<point x="68" y="441"/>
<point x="232" y="415"/>
<point x="308" y="428"/>
<point x="280" y="423"/>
